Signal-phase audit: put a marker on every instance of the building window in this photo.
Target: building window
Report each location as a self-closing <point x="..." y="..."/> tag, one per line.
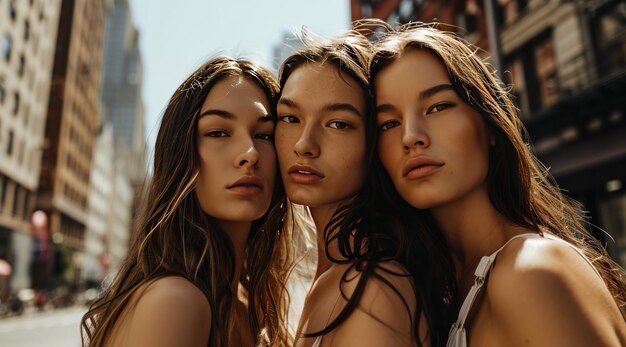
<point x="3" y="190"/>
<point x="16" y="103"/>
<point x="26" y="30"/>
<point x="2" y="91"/>
<point x="609" y="26"/>
<point x="16" y="197"/>
<point x="12" y="10"/>
<point x="7" y="45"/>
<point x="10" y="144"/>
<point x="512" y="9"/>
<point x="533" y="75"/>
<point x="515" y="78"/>
<point x="20" y="70"/>
<point x="546" y="72"/>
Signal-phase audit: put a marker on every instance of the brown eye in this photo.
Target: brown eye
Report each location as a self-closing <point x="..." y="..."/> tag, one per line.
<point x="339" y="125"/>
<point x="266" y="137"/>
<point x="440" y="107"/>
<point x="288" y="119"/>
<point x="388" y="125"/>
<point x="217" y="133"/>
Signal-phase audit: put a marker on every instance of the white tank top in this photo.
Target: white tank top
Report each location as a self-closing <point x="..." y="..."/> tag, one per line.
<point x="457" y="336"/>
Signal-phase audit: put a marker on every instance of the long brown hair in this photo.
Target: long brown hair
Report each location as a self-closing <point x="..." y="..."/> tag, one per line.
<point x="176" y="237"/>
<point x="364" y="236"/>
<point x="519" y="186"/>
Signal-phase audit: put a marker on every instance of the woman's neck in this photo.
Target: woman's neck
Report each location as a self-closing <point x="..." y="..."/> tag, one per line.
<point x="473" y="228"/>
<point x="321" y="217"/>
<point x="238" y="233"/>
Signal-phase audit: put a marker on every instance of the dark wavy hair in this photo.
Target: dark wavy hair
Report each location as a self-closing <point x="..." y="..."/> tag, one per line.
<point x="176" y="237"/>
<point x="519" y="186"/>
<point x="365" y="233"/>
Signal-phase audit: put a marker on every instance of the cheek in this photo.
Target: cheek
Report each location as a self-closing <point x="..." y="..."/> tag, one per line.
<point x="269" y="159"/>
<point x="283" y="141"/>
<point x="388" y="153"/>
<point x="352" y="156"/>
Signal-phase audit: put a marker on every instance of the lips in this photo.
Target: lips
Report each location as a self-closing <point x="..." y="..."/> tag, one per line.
<point x="247" y="185"/>
<point x="304" y="174"/>
<point x="420" y="166"/>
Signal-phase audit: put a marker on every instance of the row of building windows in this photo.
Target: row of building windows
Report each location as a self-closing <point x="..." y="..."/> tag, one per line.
<point x="533" y="73"/>
<point x="12" y="9"/>
<point x="71" y="193"/>
<point x="17" y="203"/>
<point x="18" y="149"/>
<point x="77" y="168"/>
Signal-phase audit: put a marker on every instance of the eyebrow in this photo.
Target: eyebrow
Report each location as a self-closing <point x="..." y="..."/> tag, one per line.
<point x="228" y="115"/>
<point x="288" y="102"/>
<point x="434" y="90"/>
<point x="333" y="107"/>
<point x="427" y="93"/>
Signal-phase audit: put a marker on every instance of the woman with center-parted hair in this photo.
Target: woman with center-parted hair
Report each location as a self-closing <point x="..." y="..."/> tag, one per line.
<point x="209" y="263"/>
<point x="366" y="291"/>
<point x="452" y="145"/>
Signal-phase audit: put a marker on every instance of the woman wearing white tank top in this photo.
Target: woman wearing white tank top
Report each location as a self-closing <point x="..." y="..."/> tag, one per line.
<point x="453" y="146"/>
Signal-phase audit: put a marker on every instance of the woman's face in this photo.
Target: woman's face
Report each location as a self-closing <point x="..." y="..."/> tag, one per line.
<point x="235" y="143"/>
<point x="320" y="135"/>
<point x="433" y="145"/>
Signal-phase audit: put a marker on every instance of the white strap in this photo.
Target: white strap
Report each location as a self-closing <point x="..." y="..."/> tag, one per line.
<point x="457" y="337"/>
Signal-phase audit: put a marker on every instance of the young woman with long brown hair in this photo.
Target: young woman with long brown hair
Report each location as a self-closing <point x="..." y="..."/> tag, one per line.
<point x="364" y="292"/>
<point x="209" y="263"/>
<point x="452" y="145"/>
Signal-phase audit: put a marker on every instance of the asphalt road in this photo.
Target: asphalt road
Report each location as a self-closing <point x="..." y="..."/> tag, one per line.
<point x="58" y="328"/>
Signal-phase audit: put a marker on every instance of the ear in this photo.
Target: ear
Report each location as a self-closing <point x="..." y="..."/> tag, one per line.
<point x="492" y="139"/>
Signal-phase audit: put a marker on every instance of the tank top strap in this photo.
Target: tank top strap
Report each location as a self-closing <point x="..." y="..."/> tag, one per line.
<point x="457" y="336"/>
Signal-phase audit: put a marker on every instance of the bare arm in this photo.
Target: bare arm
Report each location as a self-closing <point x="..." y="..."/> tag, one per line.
<point x="170" y="312"/>
<point x="543" y="293"/>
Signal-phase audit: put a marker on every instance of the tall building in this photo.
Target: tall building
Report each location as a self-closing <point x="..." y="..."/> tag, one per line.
<point x="566" y="63"/>
<point x="121" y="88"/>
<point x="72" y="123"/>
<point x="100" y="197"/>
<point x="28" y="33"/>
<point x="466" y="16"/>
<point x="283" y="49"/>
<point x="110" y="208"/>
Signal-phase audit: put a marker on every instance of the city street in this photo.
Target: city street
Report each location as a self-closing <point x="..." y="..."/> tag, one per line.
<point x="54" y="328"/>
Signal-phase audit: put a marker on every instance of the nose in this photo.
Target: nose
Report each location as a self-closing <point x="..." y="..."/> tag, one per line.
<point x="248" y="157"/>
<point x="307" y="145"/>
<point x="414" y="135"/>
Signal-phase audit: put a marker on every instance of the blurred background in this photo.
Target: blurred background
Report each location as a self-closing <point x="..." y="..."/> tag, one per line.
<point x="83" y="84"/>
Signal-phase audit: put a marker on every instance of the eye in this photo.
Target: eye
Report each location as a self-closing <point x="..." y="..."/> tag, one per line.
<point x="388" y="125"/>
<point x="264" y="136"/>
<point x="440" y="107"/>
<point x="339" y="125"/>
<point x="289" y="119"/>
<point x="217" y="133"/>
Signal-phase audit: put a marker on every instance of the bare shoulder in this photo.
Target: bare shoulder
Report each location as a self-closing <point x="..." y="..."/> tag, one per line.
<point x="536" y="283"/>
<point x="170" y="311"/>
<point x="175" y="294"/>
<point x="552" y="265"/>
<point x="385" y="312"/>
<point x="390" y="286"/>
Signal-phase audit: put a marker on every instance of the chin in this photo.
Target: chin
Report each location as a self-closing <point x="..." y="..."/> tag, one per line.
<point x="422" y="202"/>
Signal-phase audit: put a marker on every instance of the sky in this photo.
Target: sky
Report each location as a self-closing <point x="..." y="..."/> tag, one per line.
<point x="176" y="37"/>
